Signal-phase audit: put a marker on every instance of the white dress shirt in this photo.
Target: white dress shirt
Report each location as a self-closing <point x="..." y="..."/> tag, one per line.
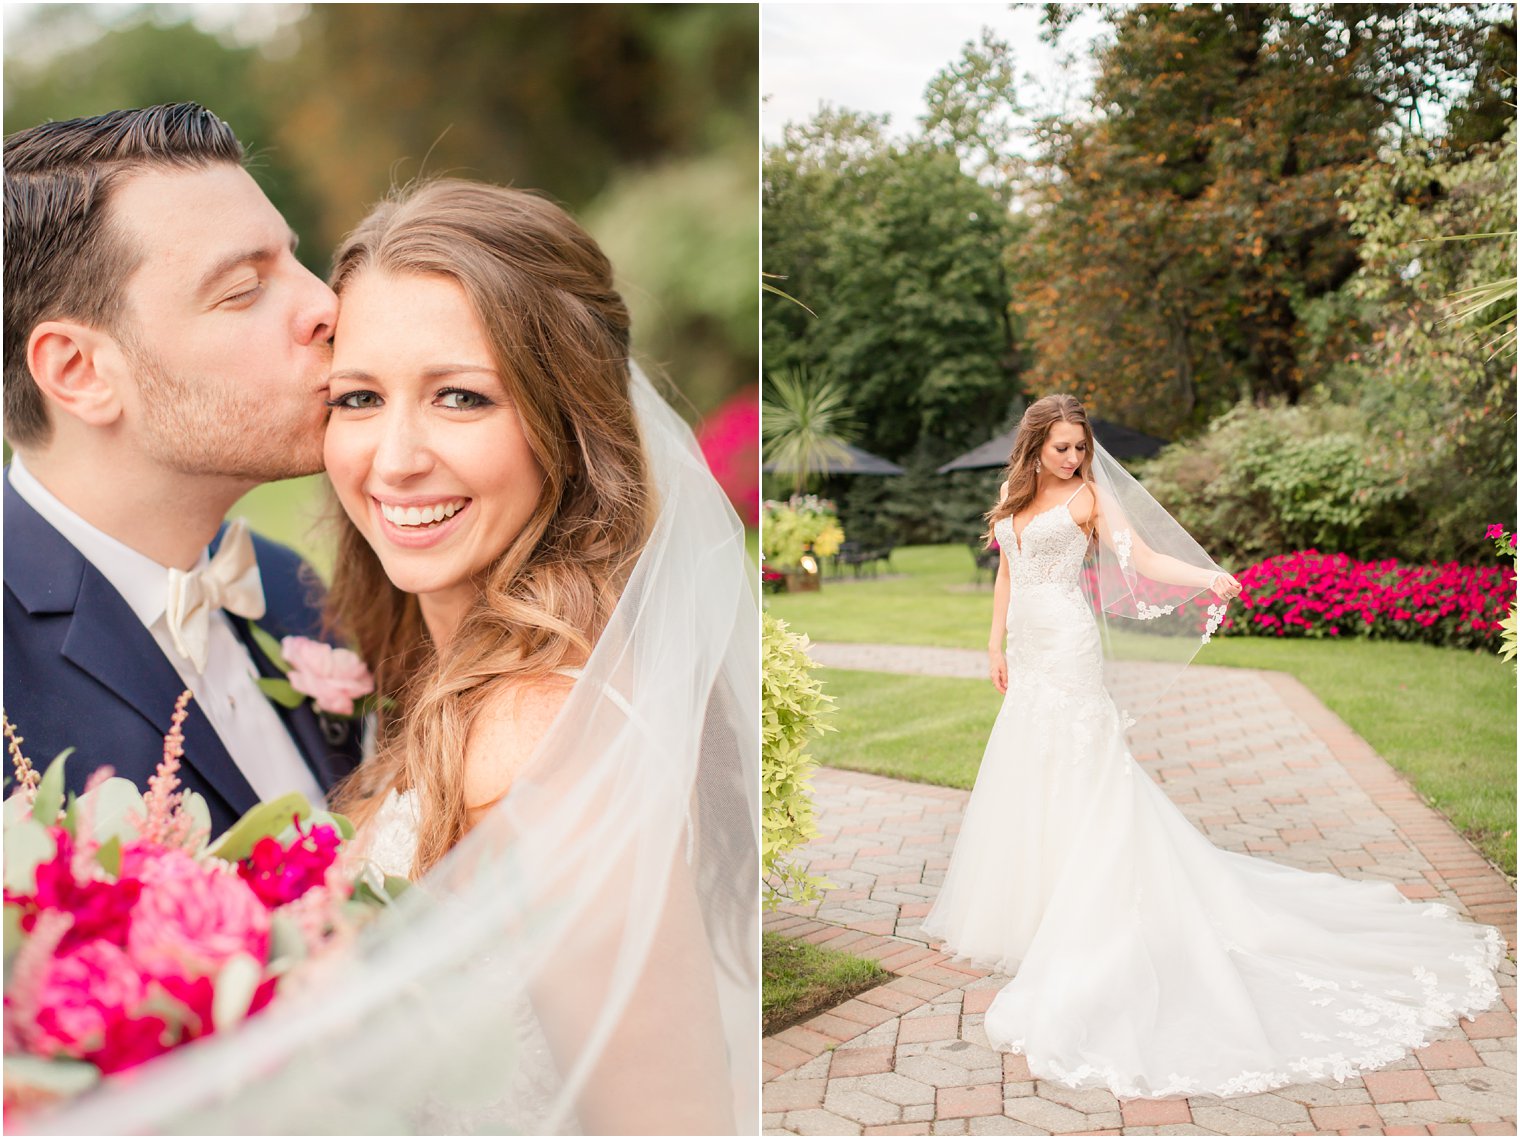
<point x="228" y="691"/>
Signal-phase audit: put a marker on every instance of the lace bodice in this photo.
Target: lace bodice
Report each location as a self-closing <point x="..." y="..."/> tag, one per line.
<point x="392" y="844"/>
<point x="1050" y="550"/>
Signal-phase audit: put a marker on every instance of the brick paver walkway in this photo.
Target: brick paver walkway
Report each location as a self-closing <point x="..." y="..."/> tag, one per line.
<point x="1258" y="764"/>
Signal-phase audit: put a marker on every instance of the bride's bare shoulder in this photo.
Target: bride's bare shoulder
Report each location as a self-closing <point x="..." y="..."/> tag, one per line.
<point x="507" y="730"/>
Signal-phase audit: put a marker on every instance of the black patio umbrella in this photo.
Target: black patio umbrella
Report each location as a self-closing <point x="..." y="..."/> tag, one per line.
<point x="1121" y="442"/>
<point x="855" y="462"/>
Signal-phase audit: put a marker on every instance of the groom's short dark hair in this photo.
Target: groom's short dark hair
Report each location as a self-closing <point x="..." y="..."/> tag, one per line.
<point x="64" y="259"/>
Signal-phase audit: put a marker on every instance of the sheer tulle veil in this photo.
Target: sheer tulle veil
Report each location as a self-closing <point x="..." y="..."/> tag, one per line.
<point x="1148" y="583"/>
<point x="605" y="912"/>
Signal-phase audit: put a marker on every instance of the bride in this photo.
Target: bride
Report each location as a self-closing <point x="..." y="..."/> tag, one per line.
<point x="1145" y="960"/>
<point x="555" y="600"/>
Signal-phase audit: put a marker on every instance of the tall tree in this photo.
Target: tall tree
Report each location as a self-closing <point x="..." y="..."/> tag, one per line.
<point x="897" y="250"/>
<point x="1181" y="234"/>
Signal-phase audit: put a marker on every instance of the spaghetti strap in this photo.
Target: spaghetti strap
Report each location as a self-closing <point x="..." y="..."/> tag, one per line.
<point x="617" y="698"/>
<point x="1074" y="494"/>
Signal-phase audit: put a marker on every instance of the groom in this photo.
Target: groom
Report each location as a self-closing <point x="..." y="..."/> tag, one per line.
<point x="165" y="352"/>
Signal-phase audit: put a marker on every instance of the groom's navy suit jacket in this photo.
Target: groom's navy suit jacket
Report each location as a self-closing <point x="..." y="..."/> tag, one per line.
<point x="81" y="671"/>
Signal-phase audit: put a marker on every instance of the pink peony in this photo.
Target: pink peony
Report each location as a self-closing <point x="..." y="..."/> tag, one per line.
<point x="192" y="916"/>
<point x="87" y="1001"/>
<point x="333" y="678"/>
<point x="278" y="874"/>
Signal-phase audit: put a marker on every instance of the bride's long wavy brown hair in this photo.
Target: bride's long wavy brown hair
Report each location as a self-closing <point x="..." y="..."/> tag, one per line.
<point x="558" y="330"/>
<point x="1034" y="428"/>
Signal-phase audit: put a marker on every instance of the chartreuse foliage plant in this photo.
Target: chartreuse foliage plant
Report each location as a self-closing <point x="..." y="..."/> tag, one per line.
<point x="801" y="524"/>
<point x="792" y="707"/>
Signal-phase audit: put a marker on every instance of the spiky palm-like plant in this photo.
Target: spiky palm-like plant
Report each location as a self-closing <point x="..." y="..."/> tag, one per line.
<point x="805" y="423"/>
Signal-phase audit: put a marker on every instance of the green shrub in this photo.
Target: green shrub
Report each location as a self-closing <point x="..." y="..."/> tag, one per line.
<point x="792" y="703"/>
<point x="1264" y="481"/>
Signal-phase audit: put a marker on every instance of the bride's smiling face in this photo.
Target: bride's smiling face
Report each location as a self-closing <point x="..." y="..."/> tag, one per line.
<point x="425" y="448"/>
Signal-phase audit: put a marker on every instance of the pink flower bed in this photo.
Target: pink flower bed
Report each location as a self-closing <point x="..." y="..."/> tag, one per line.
<point x="1310" y="594"/>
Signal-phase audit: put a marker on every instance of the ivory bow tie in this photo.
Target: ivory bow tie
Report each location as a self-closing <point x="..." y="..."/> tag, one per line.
<point x="231" y="581"/>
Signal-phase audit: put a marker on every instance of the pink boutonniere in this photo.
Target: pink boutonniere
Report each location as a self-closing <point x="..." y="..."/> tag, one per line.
<point x="336" y="681"/>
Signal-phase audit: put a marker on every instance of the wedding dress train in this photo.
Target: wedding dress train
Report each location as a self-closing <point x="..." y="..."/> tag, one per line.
<point x="1146" y="960"/>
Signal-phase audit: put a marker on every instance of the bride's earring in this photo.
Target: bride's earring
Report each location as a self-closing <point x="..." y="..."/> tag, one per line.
<point x="1037" y="466"/>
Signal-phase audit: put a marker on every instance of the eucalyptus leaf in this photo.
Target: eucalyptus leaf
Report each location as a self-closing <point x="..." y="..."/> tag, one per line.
<point x="49" y="800"/>
<point x="109" y="856"/>
<point x="264" y="821"/>
<point x="27" y="845"/>
<point x="118" y="809"/>
<point x="62" y="1078"/>
<point x="345" y="828"/>
<point x="281" y="692"/>
<point x="16" y="808"/>
<point x="194" y="805"/>
<point x="236" y="982"/>
<point x="286" y="945"/>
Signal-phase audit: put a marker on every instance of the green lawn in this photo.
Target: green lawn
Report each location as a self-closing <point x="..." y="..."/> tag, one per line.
<point x="1443" y="717"/>
<point x="799" y="979"/>
<point x="936" y="603"/>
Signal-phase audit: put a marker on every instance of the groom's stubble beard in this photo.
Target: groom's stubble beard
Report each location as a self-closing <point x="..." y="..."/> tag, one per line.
<point x="201" y="428"/>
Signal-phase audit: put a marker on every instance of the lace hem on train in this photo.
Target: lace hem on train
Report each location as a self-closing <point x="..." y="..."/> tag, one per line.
<point x="1404" y="1029"/>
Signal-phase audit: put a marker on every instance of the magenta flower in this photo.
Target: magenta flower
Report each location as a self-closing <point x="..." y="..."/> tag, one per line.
<point x="333" y="678"/>
<point x="278" y="874"/>
<point x="1495" y="531"/>
<point x="100" y="909"/>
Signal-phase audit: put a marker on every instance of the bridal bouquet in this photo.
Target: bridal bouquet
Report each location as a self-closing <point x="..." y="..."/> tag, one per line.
<point x="127" y="935"/>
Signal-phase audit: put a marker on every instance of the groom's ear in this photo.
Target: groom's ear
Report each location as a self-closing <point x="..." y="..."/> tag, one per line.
<point x="79" y="369"/>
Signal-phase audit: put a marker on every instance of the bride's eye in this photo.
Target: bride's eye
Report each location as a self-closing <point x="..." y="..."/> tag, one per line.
<point x="459" y="399"/>
<point x="355" y="400"/>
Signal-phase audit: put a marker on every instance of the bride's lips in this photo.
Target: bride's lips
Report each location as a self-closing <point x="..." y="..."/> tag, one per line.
<point x="418" y="537"/>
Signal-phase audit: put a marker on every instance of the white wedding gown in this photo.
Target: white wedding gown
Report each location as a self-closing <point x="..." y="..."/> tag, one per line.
<point x="1146" y="960"/>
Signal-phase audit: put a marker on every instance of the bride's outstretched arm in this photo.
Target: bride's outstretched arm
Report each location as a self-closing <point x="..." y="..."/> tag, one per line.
<point x="1116" y="533"/>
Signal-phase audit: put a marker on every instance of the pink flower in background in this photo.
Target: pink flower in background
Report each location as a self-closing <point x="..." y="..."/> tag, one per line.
<point x="1495" y="531"/>
<point x="333" y="678"/>
<point x="730" y="442"/>
<point x="192" y="916"/>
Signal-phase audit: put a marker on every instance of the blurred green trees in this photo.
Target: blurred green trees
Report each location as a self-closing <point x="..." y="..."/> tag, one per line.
<point x="639" y="118"/>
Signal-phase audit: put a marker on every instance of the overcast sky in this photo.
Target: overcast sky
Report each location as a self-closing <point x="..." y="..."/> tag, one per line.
<point x="880" y="57"/>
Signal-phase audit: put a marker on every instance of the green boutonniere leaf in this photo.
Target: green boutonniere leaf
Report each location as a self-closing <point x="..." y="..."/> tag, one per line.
<point x="269" y="647"/>
<point x="282" y="692"/>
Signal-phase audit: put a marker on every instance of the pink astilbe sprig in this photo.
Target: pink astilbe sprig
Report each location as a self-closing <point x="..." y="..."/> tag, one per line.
<point x="27" y="972"/>
<point x="165" y="822"/>
<point x="85" y="845"/>
<point x="26" y="775"/>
